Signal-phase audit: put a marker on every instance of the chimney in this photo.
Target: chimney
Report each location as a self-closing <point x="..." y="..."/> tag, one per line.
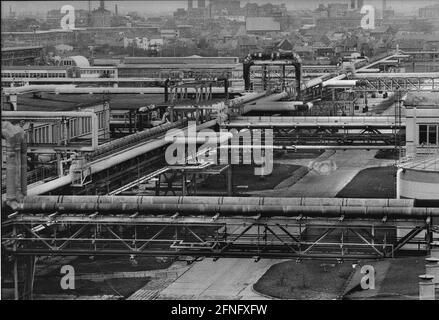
<point x="115" y="10"/>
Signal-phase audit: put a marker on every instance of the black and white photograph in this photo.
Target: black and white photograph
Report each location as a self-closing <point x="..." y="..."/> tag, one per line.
<point x="220" y="158"/>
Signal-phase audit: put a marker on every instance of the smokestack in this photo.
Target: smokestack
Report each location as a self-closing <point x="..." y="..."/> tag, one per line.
<point x="115" y="10"/>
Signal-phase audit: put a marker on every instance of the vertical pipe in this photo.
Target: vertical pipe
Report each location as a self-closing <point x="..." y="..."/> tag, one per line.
<point x="226" y="88"/>
<point x="95" y="131"/>
<point x="298" y="71"/>
<point x="230" y="181"/>
<point x="16" y="295"/>
<point x="283" y="78"/>
<point x="11" y="171"/>
<point x="23" y="171"/>
<point x="183" y="178"/>
<point x="166" y="90"/>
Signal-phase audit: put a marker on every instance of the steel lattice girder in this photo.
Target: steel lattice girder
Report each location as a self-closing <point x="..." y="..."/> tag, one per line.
<point x="397" y="84"/>
<point x="213" y="236"/>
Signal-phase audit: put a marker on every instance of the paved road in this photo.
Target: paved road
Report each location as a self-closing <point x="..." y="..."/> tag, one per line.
<point x="348" y="164"/>
<point x="223" y="279"/>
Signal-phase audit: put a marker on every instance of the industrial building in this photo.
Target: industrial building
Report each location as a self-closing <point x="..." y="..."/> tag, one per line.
<point x="221" y="177"/>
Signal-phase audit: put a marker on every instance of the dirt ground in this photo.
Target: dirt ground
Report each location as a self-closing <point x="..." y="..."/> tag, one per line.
<point x="307" y="280"/>
<point x="123" y="287"/>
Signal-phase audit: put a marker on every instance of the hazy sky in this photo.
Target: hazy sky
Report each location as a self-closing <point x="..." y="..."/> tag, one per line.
<point x="153" y="7"/>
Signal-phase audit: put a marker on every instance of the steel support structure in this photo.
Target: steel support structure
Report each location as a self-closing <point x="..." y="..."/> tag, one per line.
<point x="391" y="84"/>
<point x="213" y="236"/>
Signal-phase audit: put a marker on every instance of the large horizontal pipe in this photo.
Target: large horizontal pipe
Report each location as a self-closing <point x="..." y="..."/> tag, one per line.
<point x="340" y="83"/>
<point x="245" y="98"/>
<point x="373" y="70"/>
<point x="260" y="102"/>
<point x="309" y="207"/>
<point x="110" y="161"/>
<point x="273" y="97"/>
<point x="45" y="114"/>
<point x="96" y="90"/>
<point x="302" y="201"/>
<point x="136" y="137"/>
<point x="35" y="88"/>
<point x="274" y="106"/>
<point x="430" y="75"/>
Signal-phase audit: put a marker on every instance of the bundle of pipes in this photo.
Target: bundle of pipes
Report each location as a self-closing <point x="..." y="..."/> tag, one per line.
<point x="16" y="167"/>
<point x="307" y="207"/>
<point x="248" y="97"/>
<point x="36" y="88"/>
<point x="135" y="138"/>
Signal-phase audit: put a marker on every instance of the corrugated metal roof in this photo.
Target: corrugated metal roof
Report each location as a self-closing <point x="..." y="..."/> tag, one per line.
<point x="262" y="24"/>
<point x="80" y="61"/>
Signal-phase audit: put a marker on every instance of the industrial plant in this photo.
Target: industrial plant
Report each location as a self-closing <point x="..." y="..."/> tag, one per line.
<point x="220" y="150"/>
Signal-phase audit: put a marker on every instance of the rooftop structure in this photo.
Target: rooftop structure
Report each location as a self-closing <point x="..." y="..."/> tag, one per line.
<point x="261" y="25"/>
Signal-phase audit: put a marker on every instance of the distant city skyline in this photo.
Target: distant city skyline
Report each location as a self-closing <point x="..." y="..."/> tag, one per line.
<point x="151" y="7"/>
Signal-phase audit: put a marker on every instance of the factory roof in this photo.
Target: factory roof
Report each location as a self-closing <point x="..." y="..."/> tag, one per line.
<point x="178" y="66"/>
<point x="419" y="99"/>
<point x="80" y="61"/>
<point x="262" y="24"/>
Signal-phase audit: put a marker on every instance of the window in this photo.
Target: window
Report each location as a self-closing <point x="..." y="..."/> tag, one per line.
<point x="428" y="134"/>
<point x="432" y="134"/>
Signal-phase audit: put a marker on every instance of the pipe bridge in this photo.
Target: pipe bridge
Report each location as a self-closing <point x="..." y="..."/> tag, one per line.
<point x="217" y="226"/>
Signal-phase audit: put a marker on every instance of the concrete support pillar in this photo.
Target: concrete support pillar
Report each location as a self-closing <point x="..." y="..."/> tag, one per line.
<point x="398" y="183"/>
<point x="24" y="274"/>
<point x="432" y="268"/>
<point x="426" y="287"/>
<point x="434" y="249"/>
<point x="16" y="165"/>
<point x="13" y="100"/>
<point x="23" y="162"/>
